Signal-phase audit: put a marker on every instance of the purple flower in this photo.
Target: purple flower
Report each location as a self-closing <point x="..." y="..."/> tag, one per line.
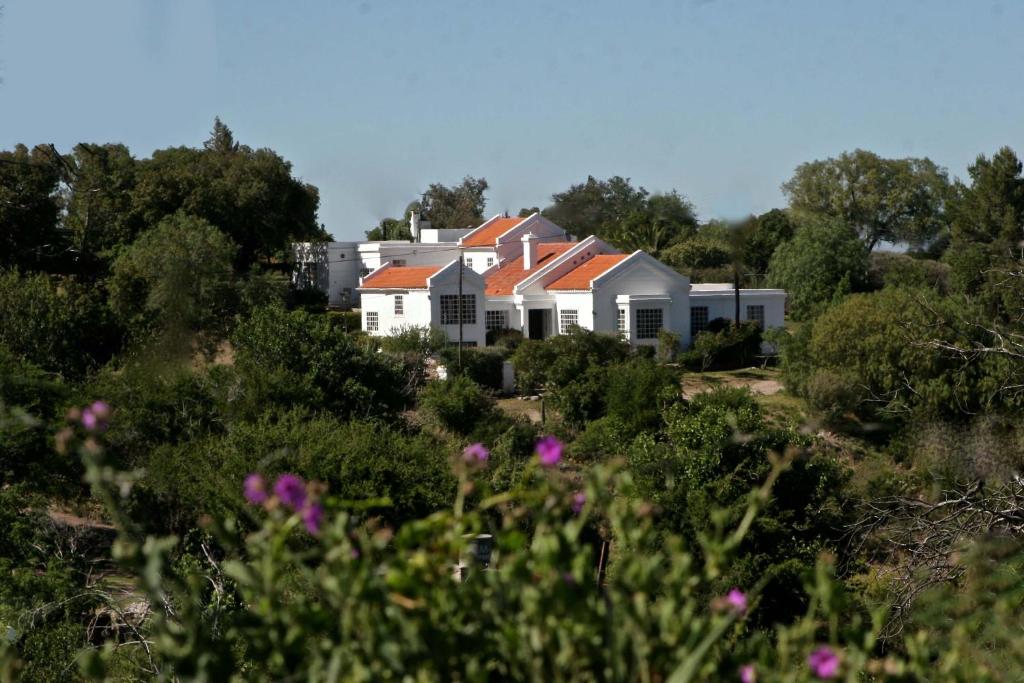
<point x="549" y="451"/>
<point x="313" y="517"/>
<point x="291" y="490"/>
<point x="748" y="674"/>
<point x="579" y="499"/>
<point x="824" y="662"/>
<point x="736" y="600"/>
<point x="476" y="453"/>
<point x="255" y="489"/>
<point x="100" y="409"/>
<point x="94" y="417"/>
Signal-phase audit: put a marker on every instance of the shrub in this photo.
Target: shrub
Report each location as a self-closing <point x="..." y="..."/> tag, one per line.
<point x="734" y="347"/>
<point x="832" y="392"/>
<point x="509" y="340"/>
<point x="564" y="358"/>
<point x="457" y="403"/>
<point x="483" y="366"/>
<point x="638" y="393"/>
<point x="900" y="270"/>
<point x="346" y="321"/>
<point x="600" y="440"/>
<point x="669" y="344"/>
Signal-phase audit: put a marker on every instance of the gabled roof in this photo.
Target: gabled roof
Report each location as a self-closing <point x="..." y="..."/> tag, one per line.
<point x="502" y="281"/>
<point x="581" y="276"/>
<point x="486" y="234"/>
<point x="400" y="277"/>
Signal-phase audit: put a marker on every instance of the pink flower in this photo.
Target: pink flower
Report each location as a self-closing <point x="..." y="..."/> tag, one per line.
<point x="736" y="600"/>
<point x="94" y="417"/>
<point x="313" y="517"/>
<point x="255" y="489"/>
<point x="748" y="674"/>
<point x="476" y="453"/>
<point x="824" y="662"/>
<point x="549" y="451"/>
<point x="291" y="490"/>
<point x="579" y="499"/>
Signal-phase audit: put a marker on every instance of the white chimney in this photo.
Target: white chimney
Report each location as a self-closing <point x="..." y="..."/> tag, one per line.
<point x="414" y="225"/>
<point x="529" y="251"/>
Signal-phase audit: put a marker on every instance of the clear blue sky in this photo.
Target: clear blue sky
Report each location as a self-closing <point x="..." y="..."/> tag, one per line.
<point x="373" y="100"/>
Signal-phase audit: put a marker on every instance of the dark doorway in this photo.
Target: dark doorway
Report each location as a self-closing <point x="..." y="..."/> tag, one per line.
<point x="537" y="322"/>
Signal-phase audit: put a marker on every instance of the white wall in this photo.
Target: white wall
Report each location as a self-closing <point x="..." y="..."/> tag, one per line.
<point x="581" y="302"/>
<point x="642" y="282"/>
<point x="415" y="304"/>
<point x="721" y="303"/>
<point x="337" y="265"/>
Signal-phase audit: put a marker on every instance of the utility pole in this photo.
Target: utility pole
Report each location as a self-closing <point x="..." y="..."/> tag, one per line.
<point x="736" y="291"/>
<point x="461" y="312"/>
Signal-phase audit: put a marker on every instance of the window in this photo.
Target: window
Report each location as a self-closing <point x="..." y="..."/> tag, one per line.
<point x="469" y="262"/>
<point x="698" y="319"/>
<point x="450" y="309"/>
<point x="620" y="323"/>
<point x="490" y="261"/>
<point x="756" y="314"/>
<point x="309" y="274"/>
<point x="399" y="304"/>
<point x="567" y="319"/>
<point x="648" y="323"/>
<point x="398" y="261"/>
<point x="372" y="321"/>
<point x="496" y="320"/>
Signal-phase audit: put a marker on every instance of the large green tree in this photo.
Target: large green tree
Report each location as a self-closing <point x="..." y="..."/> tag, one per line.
<point x="176" y="276"/>
<point x="29" y="207"/>
<point x="824" y="258"/>
<point x="891" y="200"/>
<point x="457" y="206"/>
<point x="629" y="217"/>
<point x="249" y="194"/>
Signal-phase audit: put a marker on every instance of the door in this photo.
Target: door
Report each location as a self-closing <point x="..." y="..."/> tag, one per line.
<point x="537" y="322"/>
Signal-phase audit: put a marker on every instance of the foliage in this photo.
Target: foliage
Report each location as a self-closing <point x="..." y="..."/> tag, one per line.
<point x="299" y="359"/>
<point x="728" y="348"/>
<point x="483" y="366"/>
<point x="29" y="207"/>
<point x="812" y="266"/>
<point x="890" y="200"/>
<point x="384" y="605"/>
<point x="57" y="323"/>
<point x="698" y="253"/>
<point x="762" y="235"/>
<point x="890" y="269"/>
<point x="458" y="403"/>
<point x="630" y="218"/>
<point x="558" y="360"/>
<point x="176" y="277"/>
<point x="458" y="206"/>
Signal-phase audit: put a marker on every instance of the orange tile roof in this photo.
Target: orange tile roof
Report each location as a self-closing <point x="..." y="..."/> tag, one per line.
<point x="504" y="279"/>
<point x="400" y="277"/>
<point x="580" y="277"/>
<point x="485" y="237"/>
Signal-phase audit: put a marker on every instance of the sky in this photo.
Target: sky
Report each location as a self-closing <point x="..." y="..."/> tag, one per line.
<point x="373" y="100"/>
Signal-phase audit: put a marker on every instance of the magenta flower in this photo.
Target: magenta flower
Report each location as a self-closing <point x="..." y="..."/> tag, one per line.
<point x="824" y="662"/>
<point x="313" y="517"/>
<point x="89" y="420"/>
<point x="476" y="453"/>
<point x="100" y="409"/>
<point x="748" y="674"/>
<point x="291" y="490"/>
<point x="736" y="600"/>
<point x="579" y="499"/>
<point x="255" y="489"/>
<point x="549" y="451"/>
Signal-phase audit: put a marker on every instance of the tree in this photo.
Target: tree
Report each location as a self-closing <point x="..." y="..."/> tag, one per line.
<point x="825" y="256"/>
<point x="176" y="276"/>
<point x="250" y="195"/>
<point x="892" y="200"/>
<point x="762" y="236"/>
<point x="29" y="208"/>
<point x="631" y="218"/>
<point x="458" y="206"/>
<point x="99" y="215"/>
<point x="986" y="233"/>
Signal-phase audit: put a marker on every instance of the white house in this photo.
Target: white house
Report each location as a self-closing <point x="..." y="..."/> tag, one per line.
<point x="399" y="297"/>
<point x="524" y="274"/>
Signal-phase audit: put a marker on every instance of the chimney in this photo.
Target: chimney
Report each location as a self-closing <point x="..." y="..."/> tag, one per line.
<point x="529" y="251"/>
<point x="414" y="225"/>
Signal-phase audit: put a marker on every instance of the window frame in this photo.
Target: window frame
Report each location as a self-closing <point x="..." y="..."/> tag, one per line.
<point x="372" y="321"/>
<point x="567" y="317"/>
<point x="694" y="329"/>
<point x="502" y="319"/>
<point x="622" y="321"/>
<point x="760" y="318"/>
<point x="399" y="305"/>
<point x="648" y="328"/>
<point x="451" y="312"/>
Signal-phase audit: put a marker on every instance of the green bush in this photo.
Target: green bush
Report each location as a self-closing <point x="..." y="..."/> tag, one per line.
<point x="731" y="348"/>
<point x="483" y="366"/>
<point x="563" y="358"/>
<point x="509" y="340"/>
<point x="458" y="403"/>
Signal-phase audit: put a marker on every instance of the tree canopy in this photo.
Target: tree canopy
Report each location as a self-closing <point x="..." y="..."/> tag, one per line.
<point x="891" y="200"/>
